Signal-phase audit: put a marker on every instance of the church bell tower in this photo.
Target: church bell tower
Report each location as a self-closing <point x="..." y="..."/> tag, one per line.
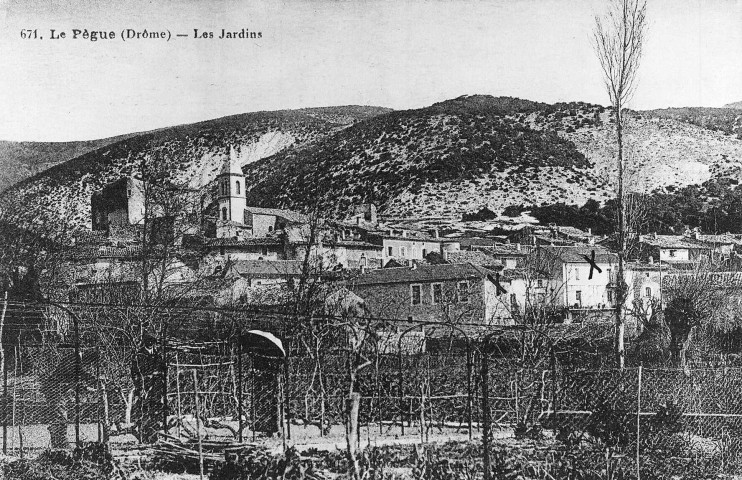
<point x="231" y="192"/>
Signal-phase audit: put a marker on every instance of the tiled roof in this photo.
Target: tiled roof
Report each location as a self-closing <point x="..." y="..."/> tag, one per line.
<point x="571" y="231"/>
<point x="477" y="257"/>
<point x="421" y="273"/>
<point x="673" y="241"/>
<point x="289" y="215"/>
<point x="714" y="279"/>
<point x="650" y="267"/>
<point x="723" y="238"/>
<point x="92" y="252"/>
<point x="577" y="253"/>
<point x="353" y="243"/>
<point x="411" y="235"/>
<point x="248" y="268"/>
<point x="505" y="250"/>
<point x="242" y="242"/>
<point x="479" y="242"/>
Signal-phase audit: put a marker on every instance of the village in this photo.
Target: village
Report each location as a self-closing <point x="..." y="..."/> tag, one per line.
<point x="243" y="327"/>
<point x="343" y="249"/>
<point x="250" y="255"/>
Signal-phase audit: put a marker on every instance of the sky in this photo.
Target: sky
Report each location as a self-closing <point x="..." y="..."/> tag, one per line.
<point x="398" y="54"/>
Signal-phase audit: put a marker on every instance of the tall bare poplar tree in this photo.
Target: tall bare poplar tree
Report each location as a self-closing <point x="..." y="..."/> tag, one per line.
<point x="618" y="42"/>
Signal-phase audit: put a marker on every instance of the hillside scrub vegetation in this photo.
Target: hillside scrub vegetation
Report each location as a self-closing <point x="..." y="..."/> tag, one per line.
<point x="380" y="158"/>
<point x="714" y="207"/>
<point x="452" y="158"/>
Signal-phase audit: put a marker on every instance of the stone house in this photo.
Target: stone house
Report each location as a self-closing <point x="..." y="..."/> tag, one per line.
<point x="459" y="293"/>
<point x="571" y="284"/>
<point x="118" y="204"/>
<point x="673" y="248"/>
<point x="254" y="273"/>
<point x="511" y="255"/>
<point x="405" y="246"/>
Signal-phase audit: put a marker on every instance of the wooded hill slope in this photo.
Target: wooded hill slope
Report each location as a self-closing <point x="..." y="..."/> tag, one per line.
<point x="441" y="161"/>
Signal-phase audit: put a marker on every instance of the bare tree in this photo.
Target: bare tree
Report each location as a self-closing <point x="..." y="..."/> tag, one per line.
<point x="618" y="42"/>
<point x="693" y="300"/>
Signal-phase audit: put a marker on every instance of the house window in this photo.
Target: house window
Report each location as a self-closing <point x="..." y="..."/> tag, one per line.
<point x="610" y="297"/>
<point x="463" y="292"/>
<point x="647" y="292"/>
<point x="539" y="283"/>
<point x="237" y="187"/>
<point x="437" y="290"/>
<point x="513" y="300"/>
<point x="425" y="253"/>
<point x="402" y="251"/>
<point x="672" y="253"/>
<point x="390" y="251"/>
<point x="578" y="297"/>
<point x="224" y="213"/>
<point x="270" y="228"/>
<point x="221" y="250"/>
<point x="363" y="262"/>
<point x="577" y="273"/>
<point x="416" y="295"/>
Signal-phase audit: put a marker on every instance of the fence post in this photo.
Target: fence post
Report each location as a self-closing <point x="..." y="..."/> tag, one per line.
<point x="164" y="378"/>
<point x="4" y="365"/>
<point x="100" y="397"/>
<point x="198" y="427"/>
<point x="517" y="406"/>
<point x="78" y="369"/>
<point x="15" y="390"/>
<point x="638" y="417"/>
<point x="177" y="392"/>
<point x="240" y="424"/>
<point x="485" y="373"/>
<point x="401" y="392"/>
<point x="469" y="401"/>
<point x="22" y="416"/>
<point x="5" y="408"/>
<point x="252" y="400"/>
<point x="287" y="391"/>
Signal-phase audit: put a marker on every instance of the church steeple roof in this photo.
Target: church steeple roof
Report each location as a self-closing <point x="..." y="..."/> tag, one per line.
<point x="232" y="164"/>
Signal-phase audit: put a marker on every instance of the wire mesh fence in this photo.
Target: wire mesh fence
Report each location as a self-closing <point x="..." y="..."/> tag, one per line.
<point x="93" y="386"/>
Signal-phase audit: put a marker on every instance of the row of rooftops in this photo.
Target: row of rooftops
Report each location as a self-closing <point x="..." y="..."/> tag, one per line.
<point x="690" y="241"/>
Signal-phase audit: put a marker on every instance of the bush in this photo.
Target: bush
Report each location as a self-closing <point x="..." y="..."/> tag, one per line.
<point x="92" y="461"/>
<point x="612" y="422"/>
<point x="261" y="465"/>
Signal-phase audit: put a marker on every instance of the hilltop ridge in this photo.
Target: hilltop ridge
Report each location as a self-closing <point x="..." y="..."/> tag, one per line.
<point x="453" y="157"/>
